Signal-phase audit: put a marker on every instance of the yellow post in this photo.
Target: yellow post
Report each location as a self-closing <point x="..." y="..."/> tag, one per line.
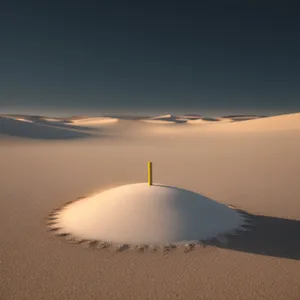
<point x="149" y="173"/>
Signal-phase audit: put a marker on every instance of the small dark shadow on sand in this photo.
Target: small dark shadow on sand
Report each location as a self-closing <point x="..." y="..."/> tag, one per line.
<point x="269" y="236"/>
<point x="210" y="119"/>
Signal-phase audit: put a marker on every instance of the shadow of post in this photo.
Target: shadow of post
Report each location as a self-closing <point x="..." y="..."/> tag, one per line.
<point x="269" y="236"/>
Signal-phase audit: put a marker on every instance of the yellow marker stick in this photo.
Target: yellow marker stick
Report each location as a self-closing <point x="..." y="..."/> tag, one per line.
<point x="149" y="173"/>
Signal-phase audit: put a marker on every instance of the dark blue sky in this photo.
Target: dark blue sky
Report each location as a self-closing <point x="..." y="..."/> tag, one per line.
<point x="168" y="56"/>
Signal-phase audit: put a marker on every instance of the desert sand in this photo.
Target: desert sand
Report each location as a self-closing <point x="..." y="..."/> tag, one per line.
<point x="251" y="166"/>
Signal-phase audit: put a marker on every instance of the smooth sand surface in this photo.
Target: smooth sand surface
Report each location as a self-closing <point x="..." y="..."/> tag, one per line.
<point x="144" y="214"/>
<point x="276" y="123"/>
<point x="254" y="170"/>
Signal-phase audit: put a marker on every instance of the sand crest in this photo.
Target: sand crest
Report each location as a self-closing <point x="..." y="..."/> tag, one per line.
<point x="95" y="121"/>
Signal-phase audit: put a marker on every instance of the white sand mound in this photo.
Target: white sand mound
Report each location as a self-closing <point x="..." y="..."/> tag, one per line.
<point x="142" y="214"/>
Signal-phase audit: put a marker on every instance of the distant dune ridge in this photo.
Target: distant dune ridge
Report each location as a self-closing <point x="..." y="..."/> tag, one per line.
<point x="40" y="127"/>
<point x="164" y="119"/>
<point x="29" y="129"/>
<point x="94" y="121"/>
<point x="281" y="122"/>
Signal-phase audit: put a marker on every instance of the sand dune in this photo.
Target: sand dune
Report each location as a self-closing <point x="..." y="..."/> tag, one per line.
<point x="41" y="128"/>
<point x="94" y="121"/>
<point x="159" y="121"/>
<point x="165" y="119"/>
<point x="64" y="124"/>
<point x="275" y="123"/>
<point x="29" y="129"/>
<point x="191" y="116"/>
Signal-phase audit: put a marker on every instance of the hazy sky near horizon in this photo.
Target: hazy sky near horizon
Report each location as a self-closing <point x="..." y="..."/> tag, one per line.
<point x="167" y="56"/>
